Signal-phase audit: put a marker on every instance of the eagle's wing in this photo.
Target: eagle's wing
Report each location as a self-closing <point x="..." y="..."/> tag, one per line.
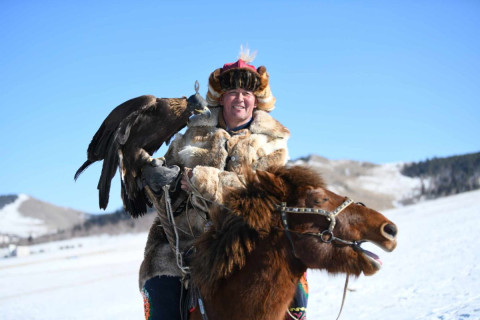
<point x="139" y="136"/>
<point x="105" y="135"/>
<point x="127" y="139"/>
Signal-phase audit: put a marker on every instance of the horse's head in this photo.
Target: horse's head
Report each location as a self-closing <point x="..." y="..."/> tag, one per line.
<point x="326" y="229"/>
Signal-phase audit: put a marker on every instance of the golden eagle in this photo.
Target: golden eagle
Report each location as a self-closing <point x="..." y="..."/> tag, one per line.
<point x="130" y="135"/>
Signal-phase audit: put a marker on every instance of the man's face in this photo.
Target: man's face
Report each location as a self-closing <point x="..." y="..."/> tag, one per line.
<point x="238" y="105"/>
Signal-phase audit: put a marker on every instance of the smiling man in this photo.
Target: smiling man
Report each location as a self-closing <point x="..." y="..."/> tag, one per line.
<point x="239" y="134"/>
<point x="238" y="106"/>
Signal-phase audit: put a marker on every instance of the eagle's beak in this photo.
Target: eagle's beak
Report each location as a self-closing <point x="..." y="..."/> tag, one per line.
<point x="203" y="110"/>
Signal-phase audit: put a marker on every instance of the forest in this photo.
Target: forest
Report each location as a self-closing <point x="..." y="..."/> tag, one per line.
<point x="446" y="176"/>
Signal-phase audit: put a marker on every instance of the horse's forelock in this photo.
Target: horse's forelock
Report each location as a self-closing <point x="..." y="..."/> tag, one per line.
<point x="264" y="190"/>
<point x="291" y="183"/>
<point x="300" y="176"/>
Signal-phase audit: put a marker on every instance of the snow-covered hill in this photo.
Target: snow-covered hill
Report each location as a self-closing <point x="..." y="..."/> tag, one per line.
<point x="25" y="216"/>
<point x="381" y="186"/>
<point x="433" y="274"/>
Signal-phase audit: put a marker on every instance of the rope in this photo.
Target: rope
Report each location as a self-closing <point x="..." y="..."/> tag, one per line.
<point x="167" y="221"/>
<point x="171" y="218"/>
<point x="194" y="191"/>
<point x="344" y="295"/>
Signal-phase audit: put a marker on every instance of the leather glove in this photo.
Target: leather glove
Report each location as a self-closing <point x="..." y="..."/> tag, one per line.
<point x="156" y="175"/>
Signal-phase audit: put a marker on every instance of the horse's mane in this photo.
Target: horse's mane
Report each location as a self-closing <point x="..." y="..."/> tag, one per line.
<point x="246" y="217"/>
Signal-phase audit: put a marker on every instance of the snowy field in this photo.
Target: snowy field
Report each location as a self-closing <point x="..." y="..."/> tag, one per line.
<point x="433" y="274"/>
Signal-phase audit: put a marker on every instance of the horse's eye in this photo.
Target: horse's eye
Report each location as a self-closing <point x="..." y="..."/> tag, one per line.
<point x="320" y="201"/>
<point x="361" y="203"/>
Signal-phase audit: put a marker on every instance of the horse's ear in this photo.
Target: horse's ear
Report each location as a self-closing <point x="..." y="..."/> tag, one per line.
<point x="271" y="181"/>
<point x="265" y="177"/>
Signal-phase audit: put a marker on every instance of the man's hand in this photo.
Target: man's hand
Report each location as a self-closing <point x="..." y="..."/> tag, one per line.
<point x="185" y="183"/>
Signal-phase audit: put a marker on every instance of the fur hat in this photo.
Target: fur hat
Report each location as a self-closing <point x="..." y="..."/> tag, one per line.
<point x="242" y="75"/>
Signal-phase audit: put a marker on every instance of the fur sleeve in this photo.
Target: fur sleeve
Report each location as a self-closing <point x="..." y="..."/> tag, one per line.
<point x="278" y="157"/>
<point x="211" y="182"/>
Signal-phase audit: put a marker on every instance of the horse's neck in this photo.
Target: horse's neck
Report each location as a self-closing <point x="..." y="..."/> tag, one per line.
<point x="262" y="289"/>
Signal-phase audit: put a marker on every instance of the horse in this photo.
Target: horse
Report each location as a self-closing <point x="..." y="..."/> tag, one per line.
<point x="264" y="237"/>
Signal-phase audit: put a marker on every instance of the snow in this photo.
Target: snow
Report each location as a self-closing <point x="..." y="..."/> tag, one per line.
<point x="13" y="222"/>
<point x="91" y="278"/>
<point x="433" y="274"/>
<point x="387" y="179"/>
<point x="382" y="185"/>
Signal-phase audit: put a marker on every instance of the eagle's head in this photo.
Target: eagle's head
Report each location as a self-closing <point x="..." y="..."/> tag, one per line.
<point x="198" y="105"/>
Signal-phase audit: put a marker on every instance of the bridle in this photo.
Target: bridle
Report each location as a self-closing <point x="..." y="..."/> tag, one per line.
<point x="326" y="235"/>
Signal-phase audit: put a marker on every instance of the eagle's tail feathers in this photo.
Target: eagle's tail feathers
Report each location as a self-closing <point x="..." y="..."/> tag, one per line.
<point x="82" y="168"/>
<point x="109" y="168"/>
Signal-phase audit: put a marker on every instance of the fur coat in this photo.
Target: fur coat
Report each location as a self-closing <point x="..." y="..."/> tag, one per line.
<point x="217" y="158"/>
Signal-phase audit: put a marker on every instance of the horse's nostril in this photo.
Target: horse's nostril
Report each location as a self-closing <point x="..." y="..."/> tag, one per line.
<point x="390" y="229"/>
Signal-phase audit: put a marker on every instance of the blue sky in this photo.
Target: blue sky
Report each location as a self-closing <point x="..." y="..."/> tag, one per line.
<point x="376" y="81"/>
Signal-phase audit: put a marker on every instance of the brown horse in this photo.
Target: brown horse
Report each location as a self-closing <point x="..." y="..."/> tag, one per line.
<point x="248" y="264"/>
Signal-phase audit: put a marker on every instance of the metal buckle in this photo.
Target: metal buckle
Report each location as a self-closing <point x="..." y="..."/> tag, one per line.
<point x="326" y="236"/>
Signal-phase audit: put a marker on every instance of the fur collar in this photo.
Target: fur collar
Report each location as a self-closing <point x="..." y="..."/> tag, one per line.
<point x="263" y="123"/>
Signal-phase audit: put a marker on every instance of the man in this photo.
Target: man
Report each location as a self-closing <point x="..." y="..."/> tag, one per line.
<point x="213" y="151"/>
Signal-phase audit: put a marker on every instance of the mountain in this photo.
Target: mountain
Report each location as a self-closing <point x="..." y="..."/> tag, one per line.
<point x="24" y="216"/>
<point x="117" y="222"/>
<point x="380" y="186"/>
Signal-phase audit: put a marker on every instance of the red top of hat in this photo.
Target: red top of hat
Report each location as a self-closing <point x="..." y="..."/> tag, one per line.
<point x="238" y="64"/>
